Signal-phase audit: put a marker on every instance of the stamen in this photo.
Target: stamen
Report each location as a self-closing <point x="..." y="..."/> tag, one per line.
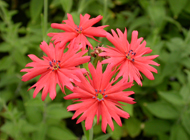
<point x="54" y="65"/>
<point x="96" y="94"/>
<point x="93" y="97"/>
<point x="96" y="90"/>
<point x="77" y="26"/>
<point x="100" y="91"/>
<point x="104" y="90"/>
<point x="50" y="63"/>
<point x="102" y="99"/>
<point x="59" y="61"/>
<point x="130" y="55"/>
<point x="81" y="28"/>
<point x="106" y="96"/>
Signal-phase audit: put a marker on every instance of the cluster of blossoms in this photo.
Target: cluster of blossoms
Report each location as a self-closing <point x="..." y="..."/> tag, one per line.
<point x="96" y="92"/>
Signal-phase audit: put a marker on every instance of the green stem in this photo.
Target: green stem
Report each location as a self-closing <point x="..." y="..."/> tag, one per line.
<point x="85" y="65"/>
<point x="105" y="8"/>
<point x="91" y="134"/>
<point x="45" y="19"/>
<point x="88" y="133"/>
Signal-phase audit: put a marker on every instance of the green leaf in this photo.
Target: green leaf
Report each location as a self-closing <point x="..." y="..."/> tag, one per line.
<point x="187" y="7"/>
<point x="188" y="76"/>
<point x="5" y="47"/>
<point x="178" y="133"/>
<point x="97" y="129"/>
<point x="133" y="126"/>
<point x="60" y="133"/>
<point x="172" y="97"/>
<point x="34" y="114"/>
<point x="128" y="108"/>
<point x="140" y="21"/>
<point x="175" y="22"/>
<point x="4" y="136"/>
<point x="156" y="13"/>
<point x="6" y="95"/>
<point x="175" y="44"/>
<point x="10" y="129"/>
<point x="156" y="126"/>
<point x="55" y="3"/>
<point x="34" y="102"/>
<point x="19" y="58"/>
<point x="57" y="111"/>
<point x="144" y="4"/>
<point x="5" y="62"/>
<point x="35" y="9"/>
<point x="186" y="122"/>
<point x="83" y="5"/>
<point x="163" y="136"/>
<point x="67" y="5"/>
<point x="103" y="137"/>
<point x="117" y="133"/>
<point x="162" y="110"/>
<point x="11" y="114"/>
<point x="40" y="134"/>
<point x="177" y="6"/>
<point x="184" y="92"/>
<point x="27" y="127"/>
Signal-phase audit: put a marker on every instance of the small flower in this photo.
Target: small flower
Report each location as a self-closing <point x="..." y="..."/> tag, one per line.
<point x="99" y="96"/>
<point x="78" y="32"/>
<point x="129" y="57"/>
<point x="55" y="68"/>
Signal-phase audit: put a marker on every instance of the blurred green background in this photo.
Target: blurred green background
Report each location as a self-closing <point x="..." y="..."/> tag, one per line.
<point x="162" y="111"/>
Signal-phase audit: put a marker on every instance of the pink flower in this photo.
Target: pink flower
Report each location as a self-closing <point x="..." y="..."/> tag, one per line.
<point x="129" y="57"/>
<point x="55" y="68"/>
<point x="99" y="96"/>
<point x="80" y="32"/>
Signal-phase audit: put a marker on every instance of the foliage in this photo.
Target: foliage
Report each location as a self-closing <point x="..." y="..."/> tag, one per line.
<point x="162" y="108"/>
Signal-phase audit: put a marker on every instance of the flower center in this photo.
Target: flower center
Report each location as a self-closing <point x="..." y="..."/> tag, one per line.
<point x="99" y="95"/>
<point x="130" y="55"/>
<point x="78" y="29"/>
<point x="54" y="65"/>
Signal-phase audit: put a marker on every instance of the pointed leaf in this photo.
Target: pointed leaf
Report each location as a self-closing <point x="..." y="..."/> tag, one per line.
<point x="162" y="110"/>
<point x="103" y="137"/>
<point x="178" y="133"/>
<point x="177" y="6"/>
<point x="156" y="126"/>
<point x="60" y="133"/>
<point x="133" y="126"/>
<point x="67" y="5"/>
<point x="172" y="97"/>
<point x="35" y="9"/>
<point x="186" y="122"/>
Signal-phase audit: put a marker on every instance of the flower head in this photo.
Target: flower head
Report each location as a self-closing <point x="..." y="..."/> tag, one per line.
<point x="99" y="96"/>
<point x="129" y="56"/>
<point x="78" y="32"/>
<point x="55" y="68"/>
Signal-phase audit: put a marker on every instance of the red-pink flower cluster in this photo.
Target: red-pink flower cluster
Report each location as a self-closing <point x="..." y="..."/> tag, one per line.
<point x="101" y="94"/>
